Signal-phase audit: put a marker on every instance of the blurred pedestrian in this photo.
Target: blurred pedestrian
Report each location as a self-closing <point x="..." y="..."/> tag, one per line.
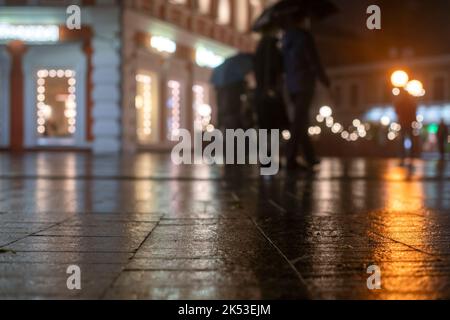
<point x="303" y="68"/>
<point x="229" y="102"/>
<point x="442" y="138"/>
<point x="269" y="103"/>
<point x="230" y="82"/>
<point x="268" y="63"/>
<point x="406" y="109"/>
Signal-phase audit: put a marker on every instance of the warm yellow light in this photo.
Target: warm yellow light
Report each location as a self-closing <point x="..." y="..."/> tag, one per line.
<point x="396" y="91"/>
<point x="385" y="121"/>
<point x="399" y="78"/>
<point x="326" y="111"/>
<point x="415" y="88"/>
<point x="286" y="135"/>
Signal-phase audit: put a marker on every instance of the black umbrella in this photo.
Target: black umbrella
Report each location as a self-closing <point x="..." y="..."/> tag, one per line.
<point x="275" y="16"/>
<point x="321" y="9"/>
<point x="233" y="70"/>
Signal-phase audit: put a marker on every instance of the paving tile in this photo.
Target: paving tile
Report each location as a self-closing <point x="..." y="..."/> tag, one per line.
<point x="141" y="228"/>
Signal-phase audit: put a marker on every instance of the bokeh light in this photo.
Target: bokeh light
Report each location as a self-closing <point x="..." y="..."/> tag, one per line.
<point x="399" y="78"/>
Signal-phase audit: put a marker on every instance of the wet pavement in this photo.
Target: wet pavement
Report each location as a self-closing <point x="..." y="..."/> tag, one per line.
<point x="139" y="227"/>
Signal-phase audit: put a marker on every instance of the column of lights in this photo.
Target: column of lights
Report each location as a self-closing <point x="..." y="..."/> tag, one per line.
<point x="144" y="102"/>
<point x="203" y="111"/>
<point x="44" y="111"/>
<point x="175" y="105"/>
<point x="71" y="106"/>
<point x="199" y="99"/>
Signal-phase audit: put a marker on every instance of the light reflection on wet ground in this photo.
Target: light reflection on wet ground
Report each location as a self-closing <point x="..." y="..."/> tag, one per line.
<point x="140" y="227"/>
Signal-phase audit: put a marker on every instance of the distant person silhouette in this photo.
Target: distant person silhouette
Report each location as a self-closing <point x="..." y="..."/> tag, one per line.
<point x="442" y="138"/>
<point x="406" y="109"/>
<point x="303" y="68"/>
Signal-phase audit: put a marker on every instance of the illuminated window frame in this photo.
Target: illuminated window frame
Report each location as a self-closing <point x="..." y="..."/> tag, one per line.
<point x="202" y="109"/>
<point x="224" y="12"/>
<point x="146" y="104"/>
<point x="44" y="110"/>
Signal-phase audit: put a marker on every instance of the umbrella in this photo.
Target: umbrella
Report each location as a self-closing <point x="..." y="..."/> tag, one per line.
<point x="321" y="9"/>
<point x="233" y="70"/>
<point x="275" y="15"/>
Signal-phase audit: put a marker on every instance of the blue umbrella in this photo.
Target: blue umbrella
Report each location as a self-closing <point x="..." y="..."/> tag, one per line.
<point x="233" y="70"/>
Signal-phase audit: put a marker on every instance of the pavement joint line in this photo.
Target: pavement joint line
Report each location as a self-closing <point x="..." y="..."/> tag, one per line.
<point x="438" y="257"/>
<point x="71" y="251"/>
<point x="33" y="234"/>
<point x="114" y="280"/>
<point x="235" y="196"/>
<point x="73" y="236"/>
<point x="299" y="275"/>
<point x="277" y="206"/>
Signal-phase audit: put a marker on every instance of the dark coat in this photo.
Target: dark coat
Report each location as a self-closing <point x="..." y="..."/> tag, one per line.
<point x="268" y="64"/>
<point x="302" y="64"/>
<point x="406" y="109"/>
<point x="442" y="132"/>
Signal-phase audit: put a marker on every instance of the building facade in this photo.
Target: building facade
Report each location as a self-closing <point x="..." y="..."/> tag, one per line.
<point x="363" y="93"/>
<point x="135" y="73"/>
<point x="60" y="87"/>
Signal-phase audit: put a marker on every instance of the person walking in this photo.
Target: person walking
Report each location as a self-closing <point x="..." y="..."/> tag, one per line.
<point x="268" y="69"/>
<point x="303" y="67"/>
<point x="268" y="74"/>
<point x="406" y="109"/>
<point x="442" y="138"/>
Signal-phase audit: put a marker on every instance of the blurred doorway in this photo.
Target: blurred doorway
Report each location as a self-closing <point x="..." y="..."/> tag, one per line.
<point x="55" y="88"/>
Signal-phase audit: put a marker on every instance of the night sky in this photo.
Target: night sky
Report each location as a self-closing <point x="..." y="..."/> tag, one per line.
<point x="413" y="27"/>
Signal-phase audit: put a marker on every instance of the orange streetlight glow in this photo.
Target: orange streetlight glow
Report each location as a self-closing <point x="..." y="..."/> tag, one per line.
<point x="415" y="88"/>
<point x="399" y="78"/>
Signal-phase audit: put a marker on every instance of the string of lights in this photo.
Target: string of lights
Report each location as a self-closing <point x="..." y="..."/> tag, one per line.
<point x="174" y="104"/>
<point x="44" y="110"/>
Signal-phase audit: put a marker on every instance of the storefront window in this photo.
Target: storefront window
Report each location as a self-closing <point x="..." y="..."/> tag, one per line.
<point x="146" y="108"/>
<point x="223" y="12"/>
<point x="204" y="6"/>
<point x="56" y="104"/>
<point x="202" y="108"/>
<point x="173" y="105"/>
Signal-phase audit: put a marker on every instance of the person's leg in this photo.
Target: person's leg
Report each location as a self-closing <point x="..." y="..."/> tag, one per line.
<point x="304" y="123"/>
<point x="441" y="146"/>
<point x="295" y="130"/>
